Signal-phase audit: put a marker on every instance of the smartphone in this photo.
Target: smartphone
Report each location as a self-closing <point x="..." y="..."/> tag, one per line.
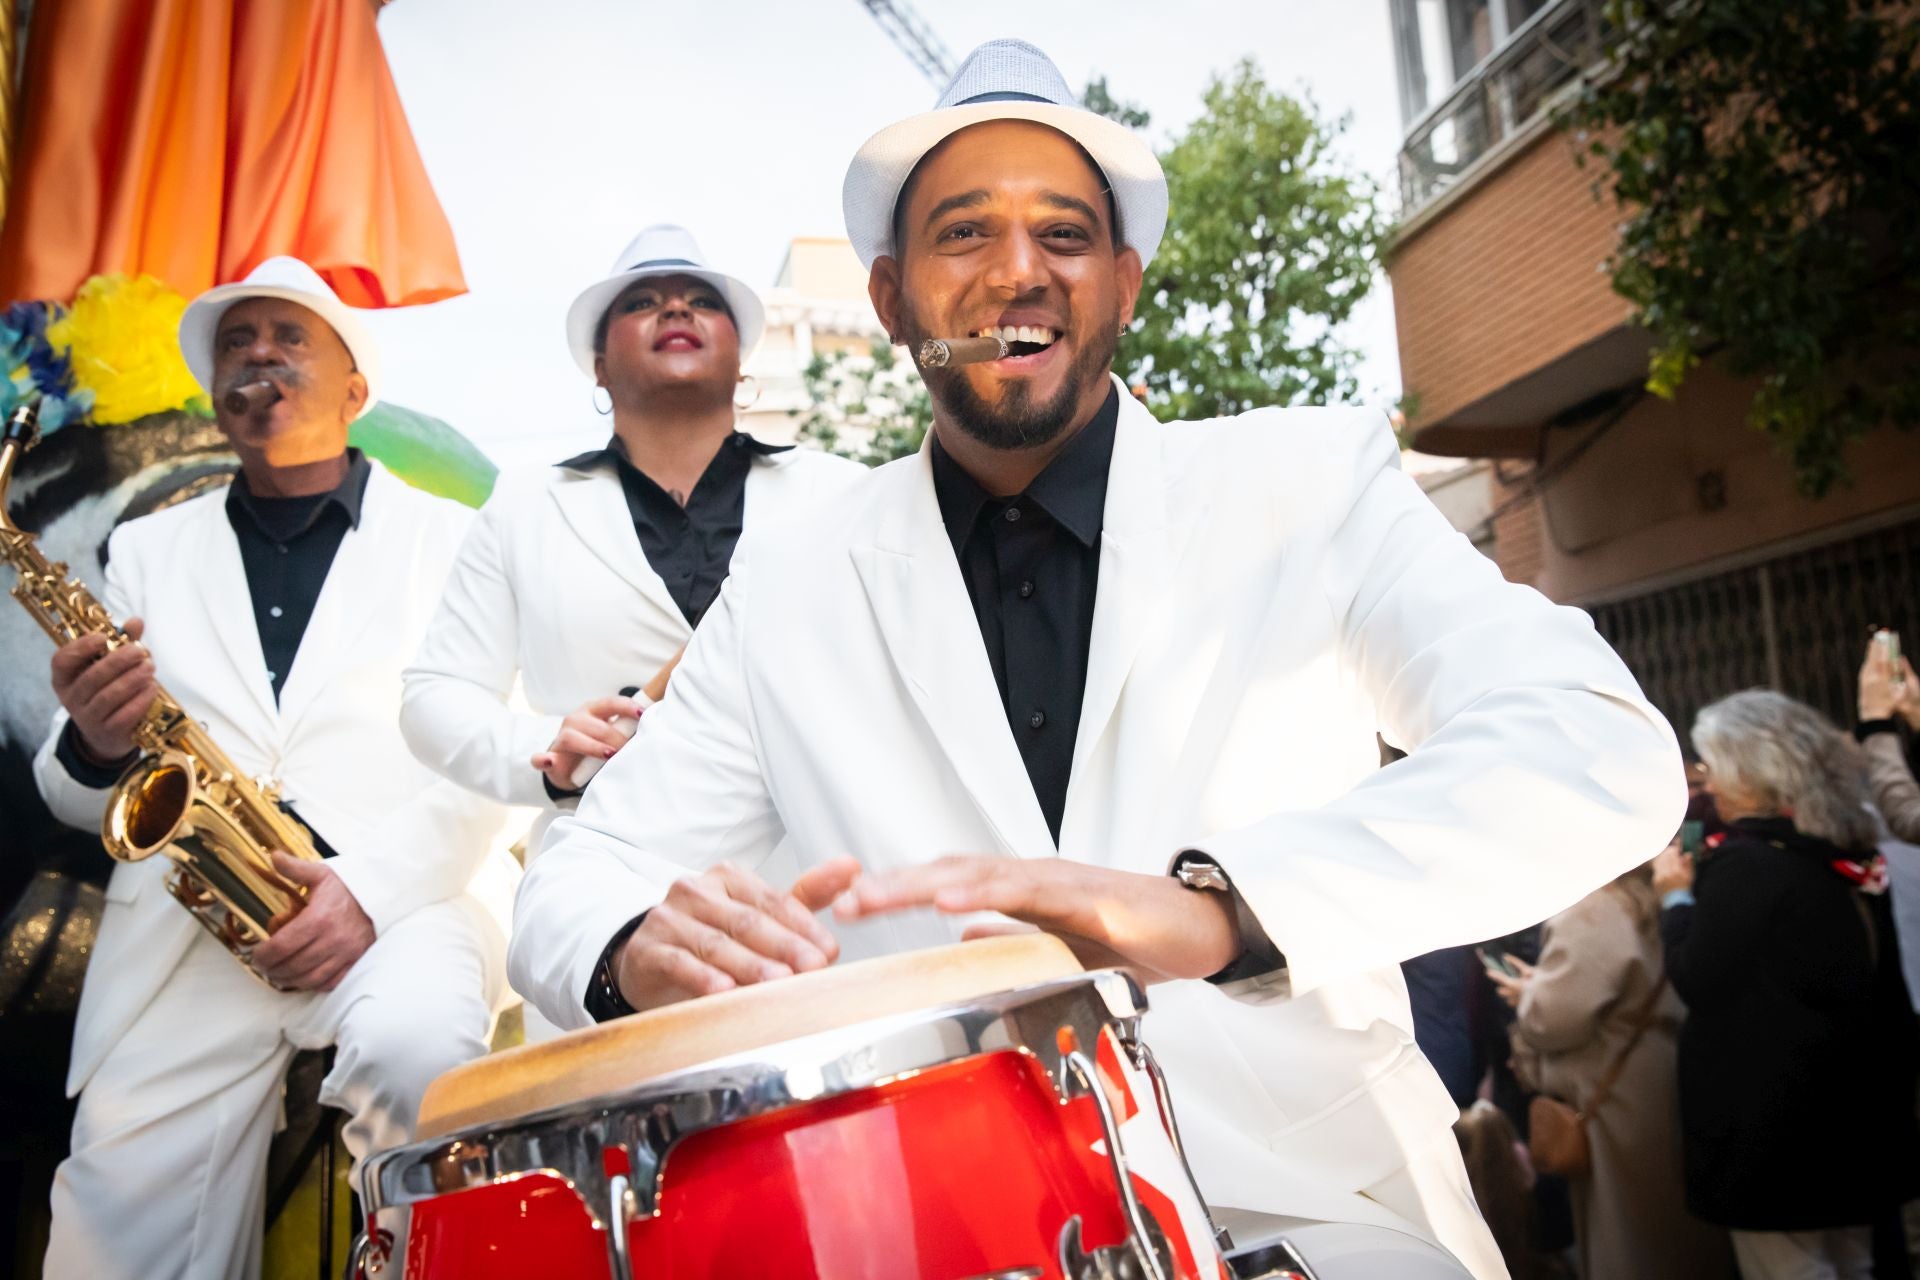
<point x="1889" y="642"/>
<point x="1693" y="838"/>
<point x="1495" y="964"/>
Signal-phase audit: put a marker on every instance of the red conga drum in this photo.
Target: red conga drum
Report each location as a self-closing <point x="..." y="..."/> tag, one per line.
<point x="974" y="1111"/>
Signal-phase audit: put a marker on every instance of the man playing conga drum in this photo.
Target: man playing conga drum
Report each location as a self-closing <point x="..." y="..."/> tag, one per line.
<point x="1119" y="680"/>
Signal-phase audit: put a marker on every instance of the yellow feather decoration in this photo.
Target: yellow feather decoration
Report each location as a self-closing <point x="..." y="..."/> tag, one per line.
<point x="123" y="336"/>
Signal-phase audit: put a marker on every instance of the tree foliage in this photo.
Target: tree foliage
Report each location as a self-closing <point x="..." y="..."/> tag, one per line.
<point x="1766" y="154"/>
<point x="1270" y="245"/>
<point x="870" y="407"/>
<point x="1097" y="98"/>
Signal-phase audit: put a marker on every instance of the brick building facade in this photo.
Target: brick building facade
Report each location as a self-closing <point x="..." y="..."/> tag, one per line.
<point x="1675" y="524"/>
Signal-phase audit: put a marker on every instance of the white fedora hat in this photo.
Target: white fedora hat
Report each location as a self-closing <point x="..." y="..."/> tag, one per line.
<point x="661" y="250"/>
<point x="1004" y="80"/>
<point x="295" y="281"/>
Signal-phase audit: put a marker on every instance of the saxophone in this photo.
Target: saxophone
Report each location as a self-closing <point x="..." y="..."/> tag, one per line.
<point x="183" y="797"/>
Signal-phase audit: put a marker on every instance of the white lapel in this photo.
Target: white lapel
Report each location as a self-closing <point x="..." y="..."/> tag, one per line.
<point x="770" y="489"/>
<point x="595" y="505"/>
<point x="1136" y="561"/>
<point x="913" y="583"/>
<point x="217" y="571"/>
<point x="353" y="597"/>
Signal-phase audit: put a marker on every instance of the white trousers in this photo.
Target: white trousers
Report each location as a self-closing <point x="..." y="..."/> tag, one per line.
<point x="1441" y="1235"/>
<point x="1842" y="1253"/>
<point x="168" y="1171"/>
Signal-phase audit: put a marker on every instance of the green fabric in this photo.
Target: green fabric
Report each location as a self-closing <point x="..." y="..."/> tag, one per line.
<point x="425" y="452"/>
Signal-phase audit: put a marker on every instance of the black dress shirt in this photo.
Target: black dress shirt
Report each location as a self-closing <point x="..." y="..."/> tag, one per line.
<point x="689" y="546"/>
<point x="1032" y="568"/>
<point x="287" y="547"/>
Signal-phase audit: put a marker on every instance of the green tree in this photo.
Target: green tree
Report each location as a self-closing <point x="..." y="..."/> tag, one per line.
<point x="1270" y="244"/>
<point x="1097" y="98"/>
<point x="1766" y="154"/>
<point x="870" y="407"/>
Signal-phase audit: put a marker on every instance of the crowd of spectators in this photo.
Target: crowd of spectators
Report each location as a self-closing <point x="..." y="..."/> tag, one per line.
<point x="1732" y="1025"/>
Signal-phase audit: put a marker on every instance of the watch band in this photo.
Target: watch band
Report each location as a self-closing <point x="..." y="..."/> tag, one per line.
<point x="1258" y="958"/>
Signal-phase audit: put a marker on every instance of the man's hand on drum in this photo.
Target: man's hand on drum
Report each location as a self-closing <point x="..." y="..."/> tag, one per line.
<point x="1151" y="924"/>
<point x="312" y="949"/>
<point x="587" y="731"/>
<point x="728" y="928"/>
<point x="105" y="691"/>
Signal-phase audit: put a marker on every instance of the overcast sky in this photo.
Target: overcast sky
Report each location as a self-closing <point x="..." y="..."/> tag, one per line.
<point x="554" y="131"/>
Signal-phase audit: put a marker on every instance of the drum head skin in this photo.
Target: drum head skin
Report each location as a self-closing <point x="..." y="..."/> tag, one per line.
<point x="628" y="1051"/>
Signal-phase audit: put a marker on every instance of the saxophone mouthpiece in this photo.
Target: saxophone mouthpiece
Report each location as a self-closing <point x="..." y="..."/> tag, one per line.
<point x="254" y="396"/>
<point x="943" y="353"/>
<point x="23" y="425"/>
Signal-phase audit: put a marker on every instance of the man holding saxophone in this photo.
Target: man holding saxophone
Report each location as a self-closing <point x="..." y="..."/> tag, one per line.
<point x="279" y="613"/>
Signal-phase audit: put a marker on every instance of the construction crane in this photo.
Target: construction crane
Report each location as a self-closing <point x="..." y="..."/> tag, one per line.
<point x="914" y="38"/>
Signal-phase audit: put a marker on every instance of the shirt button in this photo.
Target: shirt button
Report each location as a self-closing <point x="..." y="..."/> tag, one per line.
<point x="1026" y="589"/>
<point x="1013" y="513"/>
<point x="1037" y="720"/>
<point x="282" y="546"/>
<point x="274" y="612"/>
<point x="272" y="676"/>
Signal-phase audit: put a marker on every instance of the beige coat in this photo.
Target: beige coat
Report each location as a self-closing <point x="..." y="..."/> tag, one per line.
<point x="1895" y="790"/>
<point x="1599" y="961"/>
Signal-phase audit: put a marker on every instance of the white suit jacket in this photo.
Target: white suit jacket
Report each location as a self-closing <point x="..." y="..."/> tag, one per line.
<point x="405" y="838"/>
<point x="552" y="587"/>
<point x="1272" y="592"/>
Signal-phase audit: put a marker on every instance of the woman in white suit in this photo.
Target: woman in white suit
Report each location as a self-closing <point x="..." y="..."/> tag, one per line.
<point x="582" y="582"/>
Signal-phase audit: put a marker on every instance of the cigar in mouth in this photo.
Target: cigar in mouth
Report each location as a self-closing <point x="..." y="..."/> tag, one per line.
<point x="242" y="401"/>
<point x="944" y="353"/>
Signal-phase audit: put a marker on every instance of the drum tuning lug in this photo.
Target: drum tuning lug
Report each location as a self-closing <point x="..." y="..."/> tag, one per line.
<point x="1014" y="1273"/>
<point x="619" y="1218"/>
<point x="1113" y="1262"/>
<point x="1276" y="1261"/>
<point x="1144" y="1254"/>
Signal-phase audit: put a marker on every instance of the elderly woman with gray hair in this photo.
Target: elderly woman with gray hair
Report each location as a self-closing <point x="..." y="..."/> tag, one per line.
<point x="1799" y="1055"/>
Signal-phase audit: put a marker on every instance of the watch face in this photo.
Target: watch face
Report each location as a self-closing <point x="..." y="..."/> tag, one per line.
<point x="1203" y="875"/>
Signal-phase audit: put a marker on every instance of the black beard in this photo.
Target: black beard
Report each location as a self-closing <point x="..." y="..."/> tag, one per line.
<point x="1018" y="421"/>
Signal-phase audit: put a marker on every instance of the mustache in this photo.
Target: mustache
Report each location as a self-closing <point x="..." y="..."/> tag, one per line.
<point x="283" y="376"/>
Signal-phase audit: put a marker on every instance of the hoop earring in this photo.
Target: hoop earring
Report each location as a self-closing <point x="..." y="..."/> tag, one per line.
<point x="753" y="399"/>
<point x="594" y="396"/>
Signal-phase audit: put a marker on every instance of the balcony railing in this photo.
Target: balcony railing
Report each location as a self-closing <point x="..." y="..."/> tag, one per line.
<point x="1509" y="89"/>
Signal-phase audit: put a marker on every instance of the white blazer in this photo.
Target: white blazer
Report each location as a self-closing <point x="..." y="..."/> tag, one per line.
<point x="1272" y="592"/>
<point x="405" y="838"/>
<point x="552" y="588"/>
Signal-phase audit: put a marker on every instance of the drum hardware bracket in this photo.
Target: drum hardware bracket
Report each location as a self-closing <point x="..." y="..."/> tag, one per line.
<point x="360" y="1260"/>
<point x="1142" y="1054"/>
<point x="1110" y="1262"/>
<point x="619" y="1218"/>
<point x="1145" y="1247"/>
<point x="1276" y="1261"/>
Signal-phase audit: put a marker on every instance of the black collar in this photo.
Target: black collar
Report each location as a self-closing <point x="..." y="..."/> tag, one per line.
<point x="267" y="512"/>
<point x="615" y="452"/>
<point x="1072" y="489"/>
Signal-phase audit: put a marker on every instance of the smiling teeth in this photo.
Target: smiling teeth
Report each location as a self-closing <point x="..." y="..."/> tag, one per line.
<point x="1039" y="335"/>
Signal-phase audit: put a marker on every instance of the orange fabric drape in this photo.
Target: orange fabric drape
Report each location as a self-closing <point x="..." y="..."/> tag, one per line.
<point x="192" y="139"/>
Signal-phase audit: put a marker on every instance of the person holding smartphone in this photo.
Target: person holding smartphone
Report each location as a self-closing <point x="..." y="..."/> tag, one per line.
<point x="1575" y="1013"/>
<point x="1889" y="694"/>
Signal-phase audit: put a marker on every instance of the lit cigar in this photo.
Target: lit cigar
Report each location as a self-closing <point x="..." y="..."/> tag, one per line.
<point x="242" y="401"/>
<point x="942" y="353"/>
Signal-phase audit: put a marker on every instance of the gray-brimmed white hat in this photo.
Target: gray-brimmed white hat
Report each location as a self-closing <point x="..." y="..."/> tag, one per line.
<point x="294" y="281"/>
<point x="661" y="250"/>
<point x="1004" y="80"/>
